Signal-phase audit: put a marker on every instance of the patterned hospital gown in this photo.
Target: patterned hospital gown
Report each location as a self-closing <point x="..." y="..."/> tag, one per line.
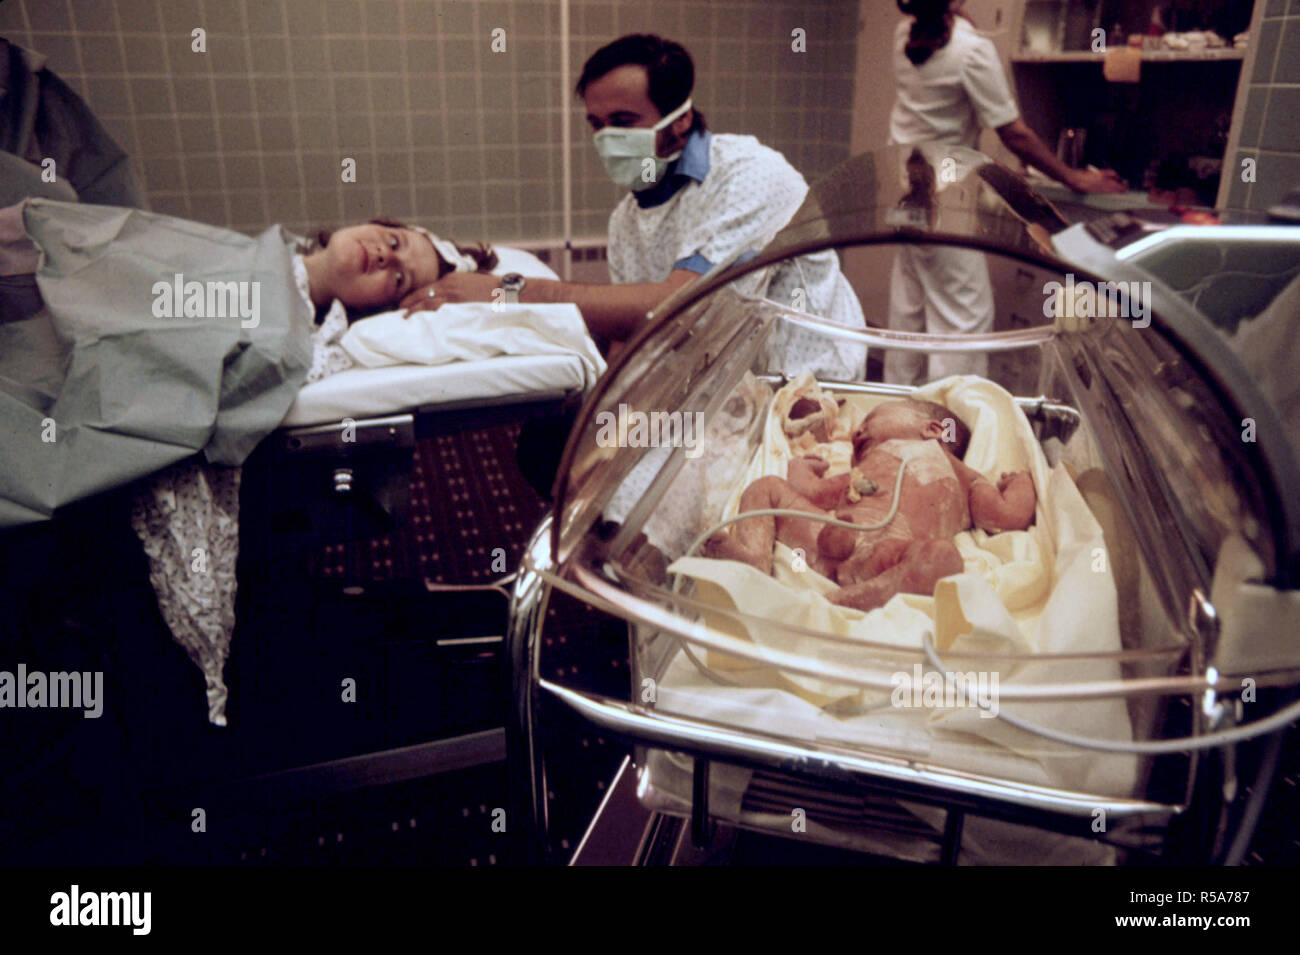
<point x="748" y="194"/>
<point x="327" y="355"/>
<point x="187" y="518"/>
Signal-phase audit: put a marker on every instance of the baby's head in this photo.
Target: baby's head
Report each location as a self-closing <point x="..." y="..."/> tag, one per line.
<point x="914" y="420"/>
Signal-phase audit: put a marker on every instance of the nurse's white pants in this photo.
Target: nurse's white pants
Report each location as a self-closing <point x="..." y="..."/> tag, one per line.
<point x="938" y="290"/>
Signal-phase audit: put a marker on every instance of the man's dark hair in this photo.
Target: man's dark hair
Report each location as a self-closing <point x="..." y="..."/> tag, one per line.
<point x="668" y="67"/>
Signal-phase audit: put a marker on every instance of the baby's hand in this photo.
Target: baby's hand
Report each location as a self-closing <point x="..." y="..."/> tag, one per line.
<point x="817" y="465"/>
<point x="1018" y="477"/>
<point x="806" y="475"/>
<point x="805" y="470"/>
<point x="1006" y="506"/>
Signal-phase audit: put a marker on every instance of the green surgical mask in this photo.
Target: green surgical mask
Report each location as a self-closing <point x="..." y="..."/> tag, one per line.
<point x="629" y="153"/>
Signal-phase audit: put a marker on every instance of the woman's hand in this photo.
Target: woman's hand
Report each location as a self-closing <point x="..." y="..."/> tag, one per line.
<point x="452" y="287"/>
<point x="1096" y="180"/>
<point x="422" y="299"/>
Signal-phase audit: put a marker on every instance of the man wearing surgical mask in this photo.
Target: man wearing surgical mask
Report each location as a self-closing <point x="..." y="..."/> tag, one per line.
<point x="695" y="199"/>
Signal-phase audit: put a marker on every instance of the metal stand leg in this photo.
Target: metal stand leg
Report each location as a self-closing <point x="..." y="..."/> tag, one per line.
<point x="701" y="827"/>
<point x="952" y="837"/>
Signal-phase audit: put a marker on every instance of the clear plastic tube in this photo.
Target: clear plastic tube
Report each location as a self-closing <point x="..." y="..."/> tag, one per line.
<point x="1288" y="714"/>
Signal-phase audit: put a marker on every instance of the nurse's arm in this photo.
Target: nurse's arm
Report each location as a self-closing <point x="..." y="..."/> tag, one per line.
<point x="610" y="311"/>
<point x="1024" y="142"/>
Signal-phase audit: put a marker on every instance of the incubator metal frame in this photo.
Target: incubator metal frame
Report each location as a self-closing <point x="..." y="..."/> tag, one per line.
<point x="1097" y="357"/>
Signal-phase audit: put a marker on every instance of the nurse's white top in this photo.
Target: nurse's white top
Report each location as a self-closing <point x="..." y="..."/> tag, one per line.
<point x="949" y="98"/>
<point x="737" y="200"/>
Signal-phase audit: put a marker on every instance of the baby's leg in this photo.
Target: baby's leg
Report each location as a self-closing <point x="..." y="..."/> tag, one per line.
<point x="922" y="564"/>
<point x="752" y="540"/>
<point x="871" y="558"/>
<point x="857" y="548"/>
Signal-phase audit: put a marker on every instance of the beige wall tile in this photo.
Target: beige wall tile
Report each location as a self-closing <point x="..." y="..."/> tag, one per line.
<point x="439" y="124"/>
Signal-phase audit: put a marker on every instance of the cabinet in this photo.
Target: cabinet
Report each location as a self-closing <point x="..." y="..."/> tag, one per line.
<point x="1179" y="112"/>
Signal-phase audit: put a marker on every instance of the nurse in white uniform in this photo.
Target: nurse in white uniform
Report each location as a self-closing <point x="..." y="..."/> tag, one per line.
<point x="950" y="85"/>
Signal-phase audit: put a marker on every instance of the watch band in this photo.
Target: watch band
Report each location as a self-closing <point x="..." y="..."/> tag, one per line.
<point x="512" y="283"/>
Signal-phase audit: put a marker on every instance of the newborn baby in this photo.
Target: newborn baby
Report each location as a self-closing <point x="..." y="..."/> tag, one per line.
<point x="939" y="497"/>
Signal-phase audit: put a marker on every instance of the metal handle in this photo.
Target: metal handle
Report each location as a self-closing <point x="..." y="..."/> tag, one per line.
<point x="718" y="742"/>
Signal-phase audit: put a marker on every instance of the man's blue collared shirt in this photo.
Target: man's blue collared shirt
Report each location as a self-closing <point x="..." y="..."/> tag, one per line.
<point x="693" y="163"/>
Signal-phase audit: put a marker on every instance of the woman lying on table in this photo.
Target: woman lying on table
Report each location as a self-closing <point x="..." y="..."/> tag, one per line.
<point x="344" y="275"/>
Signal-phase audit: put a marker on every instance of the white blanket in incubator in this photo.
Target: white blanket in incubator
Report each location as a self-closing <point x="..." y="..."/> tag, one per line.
<point x="1023" y="594"/>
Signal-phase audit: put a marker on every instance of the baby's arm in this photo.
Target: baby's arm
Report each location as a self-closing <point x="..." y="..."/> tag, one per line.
<point x="1007" y="507"/>
<point x="805" y="476"/>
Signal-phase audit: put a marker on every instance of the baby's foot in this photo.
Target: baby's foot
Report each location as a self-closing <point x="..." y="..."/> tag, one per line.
<point x="870" y="560"/>
<point x="722" y="546"/>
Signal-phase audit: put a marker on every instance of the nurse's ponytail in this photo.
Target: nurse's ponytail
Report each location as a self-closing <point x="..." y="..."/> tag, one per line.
<point x="931" y="29"/>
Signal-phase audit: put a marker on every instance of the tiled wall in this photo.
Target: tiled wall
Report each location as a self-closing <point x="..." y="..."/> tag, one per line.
<point x="444" y="130"/>
<point x="1269" y="123"/>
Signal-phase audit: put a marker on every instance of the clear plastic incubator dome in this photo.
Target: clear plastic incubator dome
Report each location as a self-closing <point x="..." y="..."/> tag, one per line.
<point x="1042" y="606"/>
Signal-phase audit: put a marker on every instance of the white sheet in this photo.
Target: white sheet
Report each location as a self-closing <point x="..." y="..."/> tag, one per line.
<point x="469" y="331"/>
<point x="1038" y="591"/>
<point x="373" y="392"/>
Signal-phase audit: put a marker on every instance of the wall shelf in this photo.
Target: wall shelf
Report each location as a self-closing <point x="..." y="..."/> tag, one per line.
<point x="1177" y="109"/>
<point x="1148" y="56"/>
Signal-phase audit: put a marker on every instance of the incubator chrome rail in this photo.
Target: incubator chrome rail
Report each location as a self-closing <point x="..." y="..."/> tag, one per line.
<point x="599" y="593"/>
<point x="987" y="342"/>
<point x="720" y="742"/>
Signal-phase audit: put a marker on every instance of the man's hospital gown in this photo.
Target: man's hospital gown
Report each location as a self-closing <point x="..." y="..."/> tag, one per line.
<point x="741" y="194"/>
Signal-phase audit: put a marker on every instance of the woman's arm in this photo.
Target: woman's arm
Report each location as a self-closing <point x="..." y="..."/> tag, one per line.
<point x="1024" y="142"/>
<point x="807" y="476"/>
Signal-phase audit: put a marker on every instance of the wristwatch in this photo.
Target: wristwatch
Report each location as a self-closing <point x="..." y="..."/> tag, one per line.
<point x="512" y="284"/>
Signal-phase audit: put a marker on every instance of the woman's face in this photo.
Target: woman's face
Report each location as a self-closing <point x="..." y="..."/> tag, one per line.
<point x="375" y="265"/>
